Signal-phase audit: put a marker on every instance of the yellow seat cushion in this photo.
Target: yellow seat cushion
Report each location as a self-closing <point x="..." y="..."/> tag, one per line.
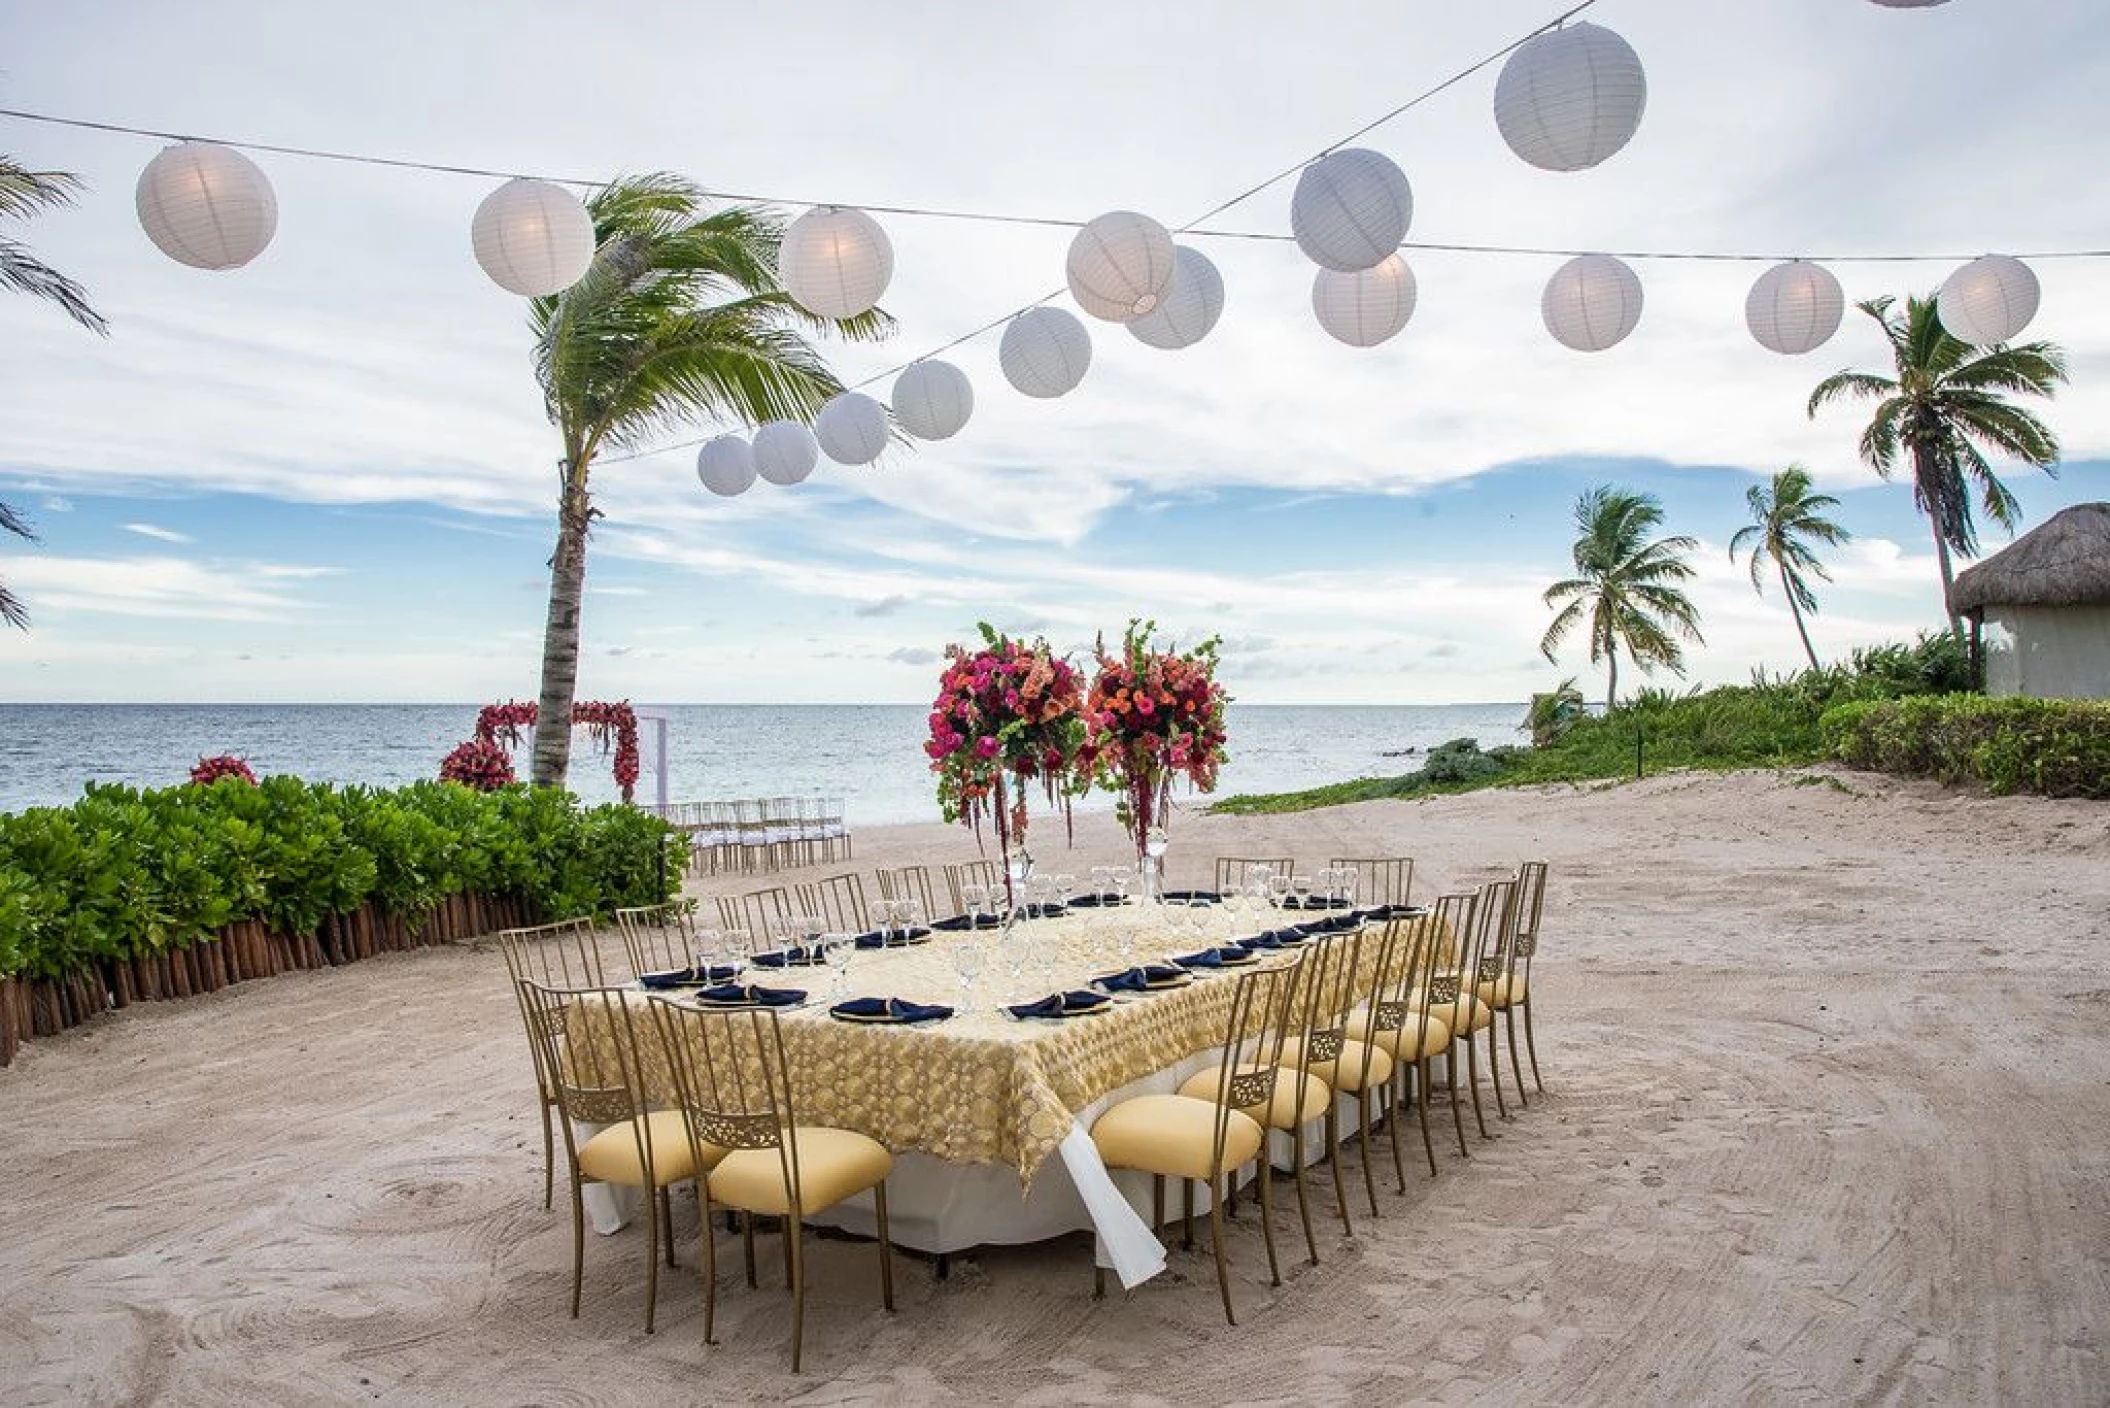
<point x="1281" y="1110"/>
<point x="1467" y="1014"/>
<point x="1344" y="1072"/>
<point x="613" y="1156"/>
<point x="1505" y="991"/>
<point x="1174" y="1135"/>
<point x="833" y="1164"/>
<point x="1434" y="1034"/>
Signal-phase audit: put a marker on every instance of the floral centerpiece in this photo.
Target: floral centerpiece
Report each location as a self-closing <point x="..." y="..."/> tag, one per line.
<point x="1006" y="716"/>
<point x="1154" y="717"/>
<point x="211" y="770"/>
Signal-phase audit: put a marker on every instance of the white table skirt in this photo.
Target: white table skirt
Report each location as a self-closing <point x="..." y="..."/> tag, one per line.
<point x="937" y="1207"/>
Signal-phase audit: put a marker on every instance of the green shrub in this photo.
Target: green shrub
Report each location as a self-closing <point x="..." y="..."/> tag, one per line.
<point x="1459" y="760"/>
<point x="2059" y="747"/>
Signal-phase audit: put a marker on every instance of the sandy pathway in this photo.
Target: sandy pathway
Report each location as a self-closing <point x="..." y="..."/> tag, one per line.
<point x="1827" y="1122"/>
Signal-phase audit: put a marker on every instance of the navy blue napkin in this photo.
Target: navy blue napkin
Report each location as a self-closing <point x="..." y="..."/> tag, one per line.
<point x="689" y="977"/>
<point x="888" y="1009"/>
<point x="1310" y="902"/>
<point x="1258" y="942"/>
<point x="888" y="938"/>
<point x="1094" y="901"/>
<point x="1147" y="977"/>
<point x="794" y="957"/>
<point x="1207" y="958"/>
<point x="1189" y="896"/>
<point x="1396" y="911"/>
<point x="745" y="995"/>
<point x="961" y="922"/>
<point x="1060" y="1004"/>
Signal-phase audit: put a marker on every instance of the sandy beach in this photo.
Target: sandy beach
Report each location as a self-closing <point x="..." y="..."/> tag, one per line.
<point x="1828" y="1088"/>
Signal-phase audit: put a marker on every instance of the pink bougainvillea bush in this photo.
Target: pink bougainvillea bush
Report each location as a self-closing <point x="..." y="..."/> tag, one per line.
<point x="479" y="763"/>
<point x="211" y="770"/>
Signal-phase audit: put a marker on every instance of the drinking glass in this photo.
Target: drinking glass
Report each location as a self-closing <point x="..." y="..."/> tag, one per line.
<point x="1042" y="890"/>
<point x="1122" y="877"/>
<point x="975" y="896"/>
<point x="1065" y="887"/>
<point x="967" y="957"/>
<point x="739" y="946"/>
<point x="710" y="950"/>
<point x="839" y="949"/>
<point x="1102" y="880"/>
<point x="1278" y="887"/>
<point x="912" y="917"/>
<point x="1348" y="879"/>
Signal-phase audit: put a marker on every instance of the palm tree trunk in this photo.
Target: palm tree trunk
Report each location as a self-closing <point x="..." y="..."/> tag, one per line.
<point x="560" y="635"/>
<point x="1948" y="585"/>
<point x="1611" y="685"/>
<point x="1796" y="609"/>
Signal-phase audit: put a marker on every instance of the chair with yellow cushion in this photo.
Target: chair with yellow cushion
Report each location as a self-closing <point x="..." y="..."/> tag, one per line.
<point x="1531" y="904"/>
<point x="1449" y="995"/>
<point x="1334" y="984"/>
<point x="1379" y="879"/>
<point x="658" y="937"/>
<point x="1490" y="973"/>
<point x="1505" y="968"/>
<point x="1207" y="1139"/>
<point x="566" y="954"/>
<point x="735" y="1092"/>
<point x="588" y="1038"/>
<point x="1400" y="1023"/>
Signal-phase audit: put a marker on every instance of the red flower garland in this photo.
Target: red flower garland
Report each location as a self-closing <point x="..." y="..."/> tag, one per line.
<point x="1153" y="716"/>
<point x="617" y="723"/>
<point x="211" y="770"/>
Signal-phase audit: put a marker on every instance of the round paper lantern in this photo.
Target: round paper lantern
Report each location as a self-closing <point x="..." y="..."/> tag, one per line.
<point x="1120" y="266"/>
<point x="785" y="452"/>
<point x="1591" y="302"/>
<point x="932" y="400"/>
<point x="532" y="238"/>
<point x="836" y="261"/>
<point x="1045" y="352"/>
<point x="1988" y="300"/>
<point x="1570" y="97"/>
<point x="726" y="465"/>
<point x="1794" y="307"/>
<point x="852" y="428"/>
<point x="1190" y="310"/>
<point x="206" y="205"/>
<point x="1364" y="308"/>
<point x="1351" y="209"/>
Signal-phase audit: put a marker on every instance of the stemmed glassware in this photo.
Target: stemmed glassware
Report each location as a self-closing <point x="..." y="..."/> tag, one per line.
<point x="1155" y="844"/>
<point x="1102" y="881"/>
<point x="975" y="896"/>
<point x="1121" y="877"/>
<point x="967" y="956"/>
<point x="1278" y="886"/>
<point x="710" y="951"/>
<point x="838" y="948"/>
<point x="1348" y="878"/>
<point x="1065" y="887"/>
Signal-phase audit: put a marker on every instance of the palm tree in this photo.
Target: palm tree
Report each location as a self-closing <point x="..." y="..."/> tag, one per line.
<point x="680" y="319"/>
<point x="11" y="608"/>
<point x="1946" y="408"/>
<point x="1785" y="518"/>
<point x="24" y="193"/>
<point x="1623" y="583"/>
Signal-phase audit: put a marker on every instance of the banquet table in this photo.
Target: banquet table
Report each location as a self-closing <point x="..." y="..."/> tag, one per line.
<point x="988" y="1116"/>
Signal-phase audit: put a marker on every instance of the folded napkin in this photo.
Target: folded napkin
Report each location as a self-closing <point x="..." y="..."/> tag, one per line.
<point x="1094" y="901"/>
<point x="1061" y="1004"/>
<point x="1147" y="977"/>
<point x="888" y="1009"/>
<point x="1050" y="910"/>
<point x="960" y="922"/>
<point x="747" y="995"/>
<point x="887" y="938"/>
<point x="689" y="977"/>
<point x="1269" y="940"/>
<point x="1310" y="902"/>
<point x="1396" y="911"/>
<point x="794" y="957"/>
<point x="1189" y="896"/>
<point x="1211" y="958"/>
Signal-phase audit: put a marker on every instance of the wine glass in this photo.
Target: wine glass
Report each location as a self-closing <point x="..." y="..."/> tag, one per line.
<point x="1121" y="877"/>
<point x="975" y="896"/>
<point x="1348" y="878"/>
<point x="1278" y="886"/>
<point x="889" y="915"/>
<point x="967" y="956"/>
<point x="739" y="947"/>
<point x="1065" y="887"/>
<point x="838" y="948"/>
<point x="710" y="951"/>
<point x="1042" y="890"/>
<point x="1102" y="880"/>
<point x="912" y="917"/>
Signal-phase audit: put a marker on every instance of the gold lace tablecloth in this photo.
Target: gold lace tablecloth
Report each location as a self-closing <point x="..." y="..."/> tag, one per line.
<point x="983" y="1087"/>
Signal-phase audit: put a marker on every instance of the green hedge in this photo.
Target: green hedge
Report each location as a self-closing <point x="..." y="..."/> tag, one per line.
<point x="2059" y="747"/>
<point x="124" y="873"/>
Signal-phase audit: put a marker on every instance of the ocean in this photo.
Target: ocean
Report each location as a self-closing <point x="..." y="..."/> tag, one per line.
<point x="871" y="755"/>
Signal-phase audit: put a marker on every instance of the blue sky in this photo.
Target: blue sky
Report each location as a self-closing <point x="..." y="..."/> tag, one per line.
<point x="327" y="476"/>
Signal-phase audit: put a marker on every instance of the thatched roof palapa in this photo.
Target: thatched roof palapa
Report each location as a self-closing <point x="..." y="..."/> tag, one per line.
<point x="2064" y="561"/>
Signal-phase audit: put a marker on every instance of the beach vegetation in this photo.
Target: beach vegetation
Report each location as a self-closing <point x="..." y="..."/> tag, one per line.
<point x="1625" y="588"/>
<point x="24" y="193"/>
<point x="1787" y="517"/>
<point x="1550" y="714"/>
<point x="2057" y="747"/>
<point x="681" y="320"/>
<point x="1944" y="406"/>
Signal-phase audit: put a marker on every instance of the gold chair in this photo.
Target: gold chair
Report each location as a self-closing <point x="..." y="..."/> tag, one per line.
<point x="1203" y="1140"/>
<point x="736" y="1097"/>
<point x="588" y="1038"/>
<point x="1498" y="900"/>
<point x="759" y="912"/>
<point x="839" y="900"/>
<point x="1403" y="1025"/>
<point x="1235" y="872"/>
<point x="566" y="954"/>
<point x="1322" y="1047"/>
<point x="909" y="882"/>
<point x="1504" y="982"/>
<point x="962" y="874"/>
<point x="1451" y="993"/>
<point x="1380" y="879"/>
<point x="658" y="937"/>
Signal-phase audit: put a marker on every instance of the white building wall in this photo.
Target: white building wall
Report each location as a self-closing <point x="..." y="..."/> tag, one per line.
<point x="2048" y="652"/>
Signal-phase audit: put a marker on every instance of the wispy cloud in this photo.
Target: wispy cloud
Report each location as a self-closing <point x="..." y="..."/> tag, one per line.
<point x="884" y="606"/>
<point x="158" y="533"/>
<point x="158" y="587"/>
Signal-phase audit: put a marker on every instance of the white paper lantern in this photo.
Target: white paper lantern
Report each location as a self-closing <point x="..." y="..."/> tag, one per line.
<point x="1794" y="307"/>
<point x="1592" y="302"/>
<point x="533" y="238"/>
<point x="1120" y="266"/>
<point x="932" y="400"/>
<point x="726" y="465"/>
<point x="1190" y="310"/>
<point x="1988" y="300"/>
<point x="1571" y="97"/>
<point x="1364" y="308"/>
<point x="852" y="428"/>
<point x="1045" y="352"/>
<point x="836" y="261"/>
<point x="785" y="452"/>
<point x="1351" y="209"/>
<point x="206" y="205"/>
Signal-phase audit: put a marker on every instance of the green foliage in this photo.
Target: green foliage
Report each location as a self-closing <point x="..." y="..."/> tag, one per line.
<point x="1553" y="713"/>
<point x="2059" y="747"/>
<point x="1625" y="587"/>
<point x="123" y="873"/>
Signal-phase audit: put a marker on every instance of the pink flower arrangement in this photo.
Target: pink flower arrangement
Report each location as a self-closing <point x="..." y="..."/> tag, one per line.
<point x="1153" y="716"/>
<point x="211" y="770"/>
<point x="481" y="763"/>
<point x="1004" y="715"/>
<point x="606" y="723"/>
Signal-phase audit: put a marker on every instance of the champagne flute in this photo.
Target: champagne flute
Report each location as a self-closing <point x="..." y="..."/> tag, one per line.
<point x="967" y="956"/>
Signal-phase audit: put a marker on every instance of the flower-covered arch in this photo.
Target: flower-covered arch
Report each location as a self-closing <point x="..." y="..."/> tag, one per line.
<point x="500" y="724"/>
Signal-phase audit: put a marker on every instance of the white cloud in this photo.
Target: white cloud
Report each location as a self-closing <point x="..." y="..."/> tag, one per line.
<point x="161" y="587"/>
<point x="159" y="534"/>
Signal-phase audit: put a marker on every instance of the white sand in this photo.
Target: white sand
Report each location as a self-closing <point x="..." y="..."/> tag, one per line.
<point x="1828" y="1119"/>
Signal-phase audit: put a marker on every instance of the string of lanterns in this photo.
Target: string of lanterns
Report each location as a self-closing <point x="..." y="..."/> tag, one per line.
<point x="1567" y="99"/>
